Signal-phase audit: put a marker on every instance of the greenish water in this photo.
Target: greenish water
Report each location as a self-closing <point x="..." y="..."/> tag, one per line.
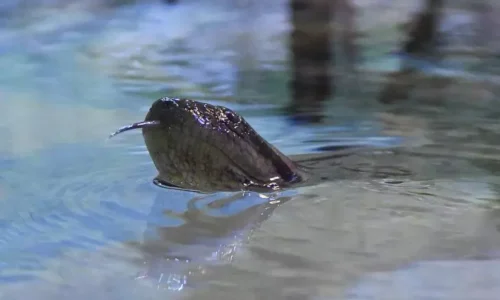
<point x="80" y="217"/>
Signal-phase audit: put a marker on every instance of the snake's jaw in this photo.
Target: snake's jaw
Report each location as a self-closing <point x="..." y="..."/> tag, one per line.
<point x="137" y="125"/>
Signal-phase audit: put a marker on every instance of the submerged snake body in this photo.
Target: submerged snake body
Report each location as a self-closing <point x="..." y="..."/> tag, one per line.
<point x="202" y="147"/>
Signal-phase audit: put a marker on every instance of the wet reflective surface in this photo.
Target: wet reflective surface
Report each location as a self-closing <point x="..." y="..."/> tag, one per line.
<point x="416" y="218"/>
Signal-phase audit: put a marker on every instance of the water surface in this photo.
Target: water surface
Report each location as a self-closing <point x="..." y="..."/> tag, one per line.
<point x="81" y="218"/>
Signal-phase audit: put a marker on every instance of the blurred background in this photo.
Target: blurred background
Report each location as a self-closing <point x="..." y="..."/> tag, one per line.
<point x="417" y="81"/>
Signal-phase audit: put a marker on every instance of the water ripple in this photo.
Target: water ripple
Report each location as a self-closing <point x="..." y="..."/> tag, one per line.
<point x="214" y="230"/>
<point x="83" y="203"/>
<point x="106" y="197"/>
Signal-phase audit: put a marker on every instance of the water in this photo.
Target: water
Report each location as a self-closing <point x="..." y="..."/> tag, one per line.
<point x="81" y="218"/>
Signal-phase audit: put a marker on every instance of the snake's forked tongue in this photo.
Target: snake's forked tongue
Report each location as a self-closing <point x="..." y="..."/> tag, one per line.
<point x="135" y="126"/>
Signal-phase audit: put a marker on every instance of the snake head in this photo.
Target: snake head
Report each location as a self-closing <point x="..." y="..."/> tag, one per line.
<point x="208" y="148"/>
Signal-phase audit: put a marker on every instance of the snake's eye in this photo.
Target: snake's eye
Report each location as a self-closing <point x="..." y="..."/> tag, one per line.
<point x="231" y="116"/>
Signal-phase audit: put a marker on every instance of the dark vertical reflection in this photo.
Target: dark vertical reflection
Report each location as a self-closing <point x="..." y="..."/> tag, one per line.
<point x="246" y="64"/>
<point x="420" y="43"/>
<point x="486" y="36"/>
<point x="213" y="230"/>
<point x="312" y="57"/>
<point x="346" y="14"/>
<point x="485" y="18"/>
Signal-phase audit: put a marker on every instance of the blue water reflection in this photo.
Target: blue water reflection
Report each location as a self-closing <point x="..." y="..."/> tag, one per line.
<point x="81" y="218"/>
